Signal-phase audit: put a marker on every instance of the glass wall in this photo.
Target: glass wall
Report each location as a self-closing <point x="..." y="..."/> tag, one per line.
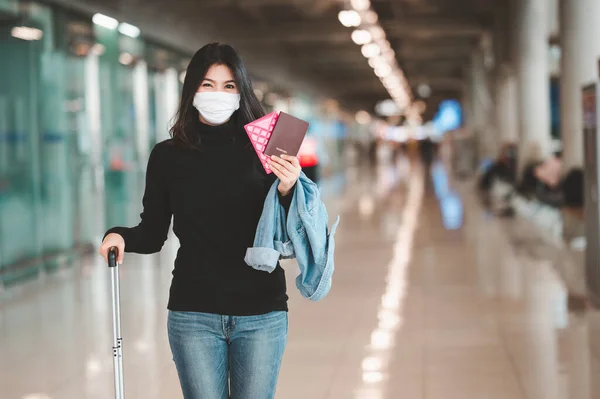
<point x="22" y="194"/>
<point x="79" y="114"/>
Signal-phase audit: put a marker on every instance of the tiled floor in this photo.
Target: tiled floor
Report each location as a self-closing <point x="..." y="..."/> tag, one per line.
<point x="416" y="312"/>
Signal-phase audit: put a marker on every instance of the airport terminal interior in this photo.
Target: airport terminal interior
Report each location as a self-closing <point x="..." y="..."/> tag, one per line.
<point x="457" y="140"/>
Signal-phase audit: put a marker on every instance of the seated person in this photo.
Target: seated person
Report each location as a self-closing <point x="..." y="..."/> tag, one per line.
<point x="572" y="189"/>
<point x="504" y="169"/>
<point x="548" y="176"/>
<point x="529" y="182"/>
<point x="549" y="172"/>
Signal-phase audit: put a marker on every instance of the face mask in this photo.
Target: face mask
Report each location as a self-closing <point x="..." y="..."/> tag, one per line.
<point x="216" y="107"/>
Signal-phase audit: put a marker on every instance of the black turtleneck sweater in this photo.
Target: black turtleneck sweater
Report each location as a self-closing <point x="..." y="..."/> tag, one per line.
<point x="215" y="196"/>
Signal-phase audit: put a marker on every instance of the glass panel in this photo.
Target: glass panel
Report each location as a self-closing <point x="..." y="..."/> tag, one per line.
<point x="81" y="173"/>
<point x="19" y="135"/>
<point x="56" y="157"/>
<point x="78" y="108"/>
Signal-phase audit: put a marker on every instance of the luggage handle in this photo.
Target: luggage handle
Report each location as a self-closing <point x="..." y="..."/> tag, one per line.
<point x="113" y="255"/>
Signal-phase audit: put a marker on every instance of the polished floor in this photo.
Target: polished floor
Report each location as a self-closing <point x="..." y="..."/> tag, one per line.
<point x="417" y="311"/>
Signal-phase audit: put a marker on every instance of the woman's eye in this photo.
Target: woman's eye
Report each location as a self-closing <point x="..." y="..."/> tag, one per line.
<point x="206" y="85"/>
<point x="230" y="87"/>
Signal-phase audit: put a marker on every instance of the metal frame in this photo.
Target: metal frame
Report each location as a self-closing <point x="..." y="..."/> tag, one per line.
<point x="116" y="313"/>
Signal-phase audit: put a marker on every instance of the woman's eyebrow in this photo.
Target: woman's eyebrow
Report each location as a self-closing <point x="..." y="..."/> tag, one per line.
<point x="228" y="81"/>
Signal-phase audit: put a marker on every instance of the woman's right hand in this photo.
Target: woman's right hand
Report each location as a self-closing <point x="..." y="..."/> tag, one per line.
<point x="112" y="240"/>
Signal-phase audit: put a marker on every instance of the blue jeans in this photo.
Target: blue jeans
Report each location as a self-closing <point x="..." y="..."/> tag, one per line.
<point x="221" y="357"/>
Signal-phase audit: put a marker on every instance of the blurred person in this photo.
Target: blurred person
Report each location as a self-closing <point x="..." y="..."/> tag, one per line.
<point x="503" y="169"/>
<point x="427" y="152"/>
<point x="227" y="322"/>
<point x="549" y="171"/>
<point x="548" y="174"/>
<point x="412" y="151"/>
<point x="527" y="186"/>
<point x="427" y="149"/>
<point x="573" y="190"/>
<point x="309" y="158"/>
<point x="573" y="205"/>
<point x="541" y="181"/>
<point x="372" y="152"/>
<point x="497" y="181"/>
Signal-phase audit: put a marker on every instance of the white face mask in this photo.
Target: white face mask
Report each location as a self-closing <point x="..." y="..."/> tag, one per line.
<point x="216" y="107"/>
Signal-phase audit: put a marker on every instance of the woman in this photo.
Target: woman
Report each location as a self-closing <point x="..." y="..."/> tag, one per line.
<point x="227" y="322"/>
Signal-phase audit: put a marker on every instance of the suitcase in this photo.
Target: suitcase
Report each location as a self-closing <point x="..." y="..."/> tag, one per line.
<point x="116" y="313"/>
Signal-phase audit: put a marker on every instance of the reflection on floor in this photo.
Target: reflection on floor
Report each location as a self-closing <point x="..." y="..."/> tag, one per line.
<point x="416" y="311"/>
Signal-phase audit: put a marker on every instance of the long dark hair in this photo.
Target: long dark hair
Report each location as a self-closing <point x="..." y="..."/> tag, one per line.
<point x="187" y="116"/>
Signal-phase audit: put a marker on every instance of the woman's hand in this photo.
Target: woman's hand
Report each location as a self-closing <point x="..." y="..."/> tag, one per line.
<point x="287" y="169"/>
<point x="112" y="240"/>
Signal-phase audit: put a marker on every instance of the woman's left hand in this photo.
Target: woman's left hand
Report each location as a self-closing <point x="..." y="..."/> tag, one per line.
<point x="287" y="169"/>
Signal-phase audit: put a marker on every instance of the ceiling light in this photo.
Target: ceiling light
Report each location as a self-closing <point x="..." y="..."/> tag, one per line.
<point x="402" y="103"/>
<point x="383" y="70"/>
<point x="392" y="78"/>
<point x="372" y="377"/>
<point x="424" y="90"/>
<point x="129" y="30"/>
<point x="393" y="85"/>
<point x="385" y="46"/>
<point x="377" y="32"/>
<point x="363" y="117"/>
<point x="399" y="93"/>
<point x="98" y="49"/>
<point x="349" y="18"/>
<point x="125" y="58"/>
<point x="370" y="50"/>
<point x="390" y="55"/>
<point x="105" y="21"/>
<point x="361" y="36"/>
<point x="360" y="5"/>
<point x="387" y="108"/>
<point x="371" y="17"/>
<point x="376" y="62"/>
<point x="26" y="33"/>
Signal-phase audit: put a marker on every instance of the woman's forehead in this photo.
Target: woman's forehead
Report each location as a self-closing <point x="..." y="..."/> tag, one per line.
<point x="219" y="73"/>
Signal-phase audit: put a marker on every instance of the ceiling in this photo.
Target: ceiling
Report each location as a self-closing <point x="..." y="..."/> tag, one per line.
<point x="301" y="43"/>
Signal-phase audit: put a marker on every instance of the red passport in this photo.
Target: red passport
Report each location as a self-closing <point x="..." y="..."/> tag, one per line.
<point x="276" y="134"/>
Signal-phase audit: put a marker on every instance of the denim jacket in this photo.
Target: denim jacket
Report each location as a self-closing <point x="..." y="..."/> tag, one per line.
<point x="303" y="236"/>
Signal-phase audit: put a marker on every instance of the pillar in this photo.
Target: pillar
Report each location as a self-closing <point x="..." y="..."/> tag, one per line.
<point x="506" y="105"/>
<point x="579" y="42"/>
<point x="533" y="81"/>
<point x="482" y="106"/>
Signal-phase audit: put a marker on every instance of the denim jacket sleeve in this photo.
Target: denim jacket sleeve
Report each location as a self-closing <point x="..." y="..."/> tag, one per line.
<point x="302" y="235"/>
<point x="271" y="241"/>
<point x="314" y="245"/>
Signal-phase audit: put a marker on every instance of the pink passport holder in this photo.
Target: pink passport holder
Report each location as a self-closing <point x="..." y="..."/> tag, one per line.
<point x="259" y="132"/>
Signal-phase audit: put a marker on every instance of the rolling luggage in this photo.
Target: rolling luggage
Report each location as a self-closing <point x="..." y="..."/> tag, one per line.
<point x="116" y="313"/>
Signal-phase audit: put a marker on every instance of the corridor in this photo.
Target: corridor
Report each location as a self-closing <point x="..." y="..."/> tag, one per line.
<point x="416" y="311"/>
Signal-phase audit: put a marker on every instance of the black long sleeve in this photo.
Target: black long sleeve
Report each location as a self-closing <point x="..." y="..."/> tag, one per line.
<point x="285" y="201"/>
<point x="151" y="233"/>
<point x="215" y="197"/>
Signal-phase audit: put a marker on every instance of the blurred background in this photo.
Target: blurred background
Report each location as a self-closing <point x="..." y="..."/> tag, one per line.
<point x="457" y="140"/>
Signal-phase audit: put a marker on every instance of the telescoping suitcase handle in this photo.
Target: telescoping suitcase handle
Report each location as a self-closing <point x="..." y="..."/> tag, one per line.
<point x="113" y="255"/>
